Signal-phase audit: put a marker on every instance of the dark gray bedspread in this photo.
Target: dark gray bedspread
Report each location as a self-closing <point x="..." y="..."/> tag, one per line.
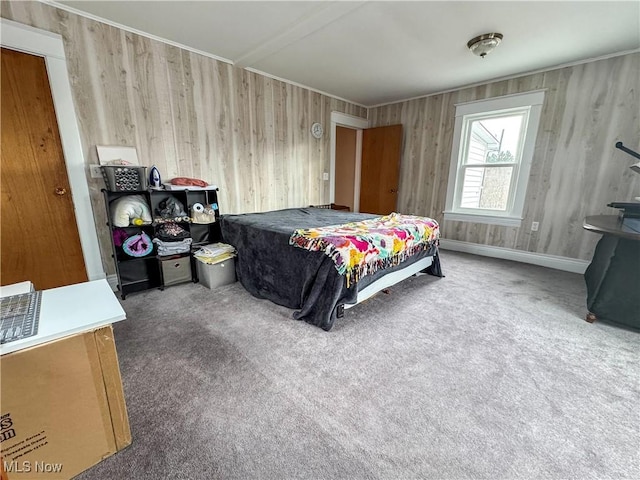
<point x="268" y="267"/>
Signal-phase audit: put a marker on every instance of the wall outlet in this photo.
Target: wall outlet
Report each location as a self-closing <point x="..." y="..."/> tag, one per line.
<point x="95" y="171"/>
<point x="325" y="176"/>
<point x="534" y="226"/>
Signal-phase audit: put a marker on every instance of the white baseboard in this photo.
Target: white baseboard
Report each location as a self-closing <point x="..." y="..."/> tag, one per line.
<point x="573" y="265"/>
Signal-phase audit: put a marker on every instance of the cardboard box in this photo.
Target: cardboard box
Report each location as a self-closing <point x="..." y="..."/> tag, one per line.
<point x="62" y="407"/>
<point x="217" y="274"/>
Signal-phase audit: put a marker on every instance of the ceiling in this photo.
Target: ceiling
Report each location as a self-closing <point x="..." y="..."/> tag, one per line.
<point x="375" y="52"/>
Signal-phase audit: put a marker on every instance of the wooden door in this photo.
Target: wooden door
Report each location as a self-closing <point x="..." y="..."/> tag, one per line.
<point x="39" y="236"/>
<point x="381" y="150"/>
<point x="345" y="166"/>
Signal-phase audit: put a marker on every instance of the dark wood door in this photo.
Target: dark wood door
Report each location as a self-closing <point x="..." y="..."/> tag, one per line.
<point x="39" y="235"/>
<point x="381" y="150"/>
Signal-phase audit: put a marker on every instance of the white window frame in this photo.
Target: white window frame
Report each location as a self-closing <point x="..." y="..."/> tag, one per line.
<point x="517" y="103"/>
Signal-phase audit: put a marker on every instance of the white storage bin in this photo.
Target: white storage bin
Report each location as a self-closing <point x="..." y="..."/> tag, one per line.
<point x="218" y="274"/>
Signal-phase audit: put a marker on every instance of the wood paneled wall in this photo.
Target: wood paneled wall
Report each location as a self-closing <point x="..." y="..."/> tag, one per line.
<point x="194" y="116"/>
<point x="190" y="116"/>
<point x="576" y="170"/>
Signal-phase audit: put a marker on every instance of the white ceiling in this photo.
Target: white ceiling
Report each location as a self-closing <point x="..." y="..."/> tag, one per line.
<point x="374" y="52"/>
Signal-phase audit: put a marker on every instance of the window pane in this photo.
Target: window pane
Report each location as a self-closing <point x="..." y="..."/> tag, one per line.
<point x="486" y="188"/>
<point x="472" y="187"/>
<point x="494" y="140"/>
<point x="491" y="158"/>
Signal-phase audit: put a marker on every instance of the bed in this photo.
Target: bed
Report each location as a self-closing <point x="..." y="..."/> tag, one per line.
<point x="269" y="267"/>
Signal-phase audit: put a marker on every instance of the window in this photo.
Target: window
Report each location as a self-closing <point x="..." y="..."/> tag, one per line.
<point x="491" y="157"/>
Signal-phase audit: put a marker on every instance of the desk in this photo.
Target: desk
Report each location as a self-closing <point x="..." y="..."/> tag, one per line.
<point x="613" y="277"/>
<point x="61" y="397"/>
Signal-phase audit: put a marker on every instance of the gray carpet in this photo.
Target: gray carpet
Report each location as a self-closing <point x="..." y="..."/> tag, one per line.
<point x="489" y="373"/>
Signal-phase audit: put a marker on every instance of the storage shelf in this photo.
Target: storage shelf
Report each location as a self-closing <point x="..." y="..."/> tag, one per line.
<point x="175" y="255"/>
<point x="157" y="224"/>
<point x="139" y="286"/>
<point x="142" y="273"/>
<point x="136" y="282"/>
<point x="123" y="257"/>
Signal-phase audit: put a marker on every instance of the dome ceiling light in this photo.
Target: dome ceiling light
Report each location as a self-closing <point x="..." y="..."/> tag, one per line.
<point x="484" y="44"/>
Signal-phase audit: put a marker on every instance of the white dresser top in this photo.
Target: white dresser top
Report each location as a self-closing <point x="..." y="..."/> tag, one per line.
<point x="69" y="310"/>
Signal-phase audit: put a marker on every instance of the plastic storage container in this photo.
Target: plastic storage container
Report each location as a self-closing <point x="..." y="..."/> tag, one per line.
<point x="119" y="178"/>
<point x="217" y="274"/>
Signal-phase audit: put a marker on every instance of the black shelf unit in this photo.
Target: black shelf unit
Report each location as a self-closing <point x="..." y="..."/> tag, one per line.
<point x="136" y="274"/>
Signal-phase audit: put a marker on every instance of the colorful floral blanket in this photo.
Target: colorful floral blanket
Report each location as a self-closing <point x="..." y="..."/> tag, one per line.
<point x="361" y="248"/>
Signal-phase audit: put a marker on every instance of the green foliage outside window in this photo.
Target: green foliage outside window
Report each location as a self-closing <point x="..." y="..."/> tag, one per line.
<point x="500" y="157"/>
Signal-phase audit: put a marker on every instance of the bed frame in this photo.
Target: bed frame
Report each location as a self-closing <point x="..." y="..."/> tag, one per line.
<point x="390" y="280"/>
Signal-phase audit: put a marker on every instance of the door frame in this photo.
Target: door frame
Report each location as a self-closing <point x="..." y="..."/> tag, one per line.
<point x="357" y="123"/>
<point x="48" y="45"/>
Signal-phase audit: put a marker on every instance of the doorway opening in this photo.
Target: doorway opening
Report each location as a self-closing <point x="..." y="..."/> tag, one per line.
<point x="346" y="158"/>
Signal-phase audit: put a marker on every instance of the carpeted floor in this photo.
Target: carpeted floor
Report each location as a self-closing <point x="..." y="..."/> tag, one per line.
<point x="489" y="373"/>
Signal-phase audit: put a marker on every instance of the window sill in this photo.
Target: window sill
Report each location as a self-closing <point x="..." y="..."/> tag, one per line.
<point x="490" y="219"/>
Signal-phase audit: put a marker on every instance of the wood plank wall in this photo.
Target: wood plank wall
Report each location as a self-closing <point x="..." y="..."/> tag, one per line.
<point x="190" y="116"/>
<point x="576" y="170"/>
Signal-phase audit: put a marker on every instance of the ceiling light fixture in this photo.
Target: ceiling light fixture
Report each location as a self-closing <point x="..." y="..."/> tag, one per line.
<point x="485" y="43"/>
